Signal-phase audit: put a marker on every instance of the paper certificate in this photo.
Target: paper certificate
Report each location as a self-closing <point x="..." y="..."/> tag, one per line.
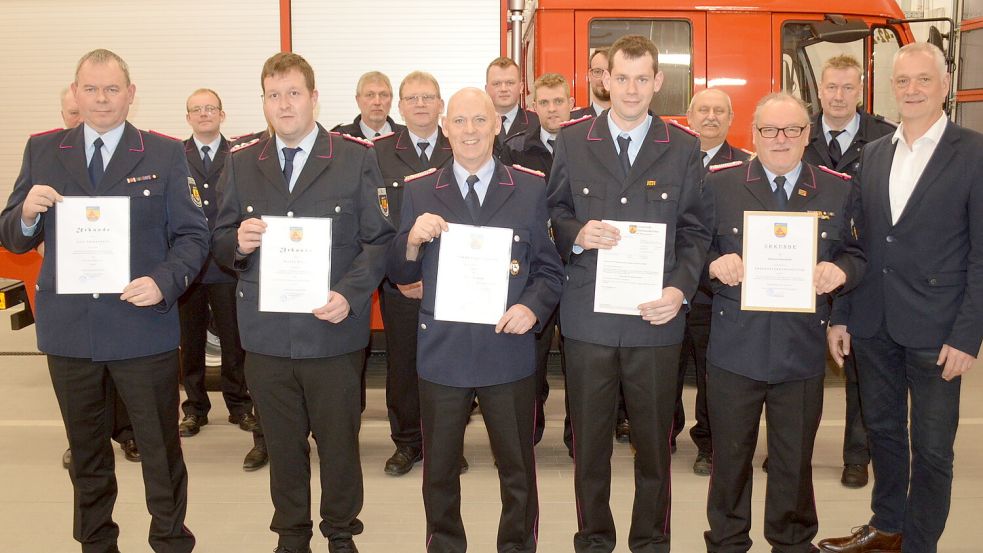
<point x="473" y="274"/>
<point x="93" y="236"/>
<point x="779" y="260"/>
<point x="294" y="264"/>
<point x="631" y="273"/>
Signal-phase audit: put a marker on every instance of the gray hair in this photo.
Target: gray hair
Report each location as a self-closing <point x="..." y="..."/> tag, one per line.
<point x="780" y="97"/>
<point x="924" y="47"/>
<point x="103" y="56"/>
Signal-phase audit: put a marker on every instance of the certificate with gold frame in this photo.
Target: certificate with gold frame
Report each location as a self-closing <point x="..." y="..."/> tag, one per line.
<point x="780" y="249"/>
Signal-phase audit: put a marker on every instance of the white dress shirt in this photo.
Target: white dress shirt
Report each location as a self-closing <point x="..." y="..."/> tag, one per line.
<point x="909" y="163"/>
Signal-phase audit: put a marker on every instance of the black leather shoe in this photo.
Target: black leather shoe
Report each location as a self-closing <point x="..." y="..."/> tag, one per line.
<point x="464" y="465"/>
<point x="622" y="432"/>
<point x="284" y="549"/>
<point x="854" y="476"/>
<point x="66" y="458"/>
<point x="764" y="466"/>
<point x="256" y="459"/>
<point x="703" y="465"/>
<point x="191" y="425"/>
<point x="130" y="451"/>
<point x="402" y="460"/>
<point x="342" y="545"/>
<point x="246" y="421"/>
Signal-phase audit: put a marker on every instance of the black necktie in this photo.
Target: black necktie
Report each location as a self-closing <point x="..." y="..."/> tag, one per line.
<point x="835" y="152"/>
<point x="706" y="158"/>
<point x="206" y="160"/>
<point x="501" y="135"/>
<point x="474" y="206"/>
<point x="377" y="135"/>
<point x="781" y="198"/>
<point x="623" y="142"/>
<point x="96" y="168"/>
<point x="288" y="164"/>
<point x="423" y="145"/>
<point x="552" y="144"/>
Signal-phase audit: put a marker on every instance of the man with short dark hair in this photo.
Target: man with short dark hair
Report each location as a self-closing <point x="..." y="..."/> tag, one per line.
<point x="600" y="98"/>
<point x="503" y="83"/>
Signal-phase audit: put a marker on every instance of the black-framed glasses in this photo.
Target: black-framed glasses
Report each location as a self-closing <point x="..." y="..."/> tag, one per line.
<point x="596" y="72"/>
<point x="794" y="131"/>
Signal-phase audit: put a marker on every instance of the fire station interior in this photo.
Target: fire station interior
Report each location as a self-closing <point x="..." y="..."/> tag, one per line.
<point x="230" y="510"/>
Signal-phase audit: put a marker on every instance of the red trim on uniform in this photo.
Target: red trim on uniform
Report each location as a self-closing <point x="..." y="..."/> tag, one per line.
<point x="528" y="170"/>
<point x="64" y="146"/>
<point x="42" y="133"/>
<point x="575" y="121"/>
<point x="330" y="148"/>
<point x="357" y="140"/>
<point x="263" y="155"/>
<point x="666" y="127"/>
<point x="399" y="141"/>
<point x="142" y="148"/>
<point x="151" y="131"/>
<point x="684" y="128"/>
<point x="843" y="176"/>
<point x="590" y="133"/>
<point x="438" y="186"/>
<point x="812" y="184"/>
<point x="749" y="179"/>
<point x="511" y="180"/>
<point x="380" y="137"/>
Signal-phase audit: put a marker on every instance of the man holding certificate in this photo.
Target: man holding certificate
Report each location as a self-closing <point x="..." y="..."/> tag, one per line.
<point x="767" y="338"/>
<point x="629" y="220"/>
<point x="124" y="235"/>
<point x="475" y="232"/>
<point x="299" y="220"/>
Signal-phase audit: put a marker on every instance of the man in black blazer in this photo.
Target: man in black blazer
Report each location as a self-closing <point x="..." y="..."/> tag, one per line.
<point x="212" y="294"/>
<point x="460" y="361"/>
<point x="915" y="322"/>
<point x="304" y="369"/>
<point x="626" y="165"/>
<point x="771" y="360"/>
<point x="374" y="96"/>
<point x="127" y="342"/>
<point x="418" y="147"/>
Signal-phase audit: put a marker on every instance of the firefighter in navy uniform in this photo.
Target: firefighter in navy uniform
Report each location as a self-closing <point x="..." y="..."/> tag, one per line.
<point x="374" y="96"/>
<point x="125" y="342"/>
<point x="414" y="148"/>
<point x="304" y="369"/>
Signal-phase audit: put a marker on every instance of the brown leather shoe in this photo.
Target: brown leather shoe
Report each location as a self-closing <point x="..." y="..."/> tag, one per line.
<point x="865" y="539"/>
<point x="854" y="476"/>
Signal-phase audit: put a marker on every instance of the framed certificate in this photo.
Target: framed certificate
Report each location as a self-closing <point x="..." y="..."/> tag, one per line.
<point x="780" y="252"/>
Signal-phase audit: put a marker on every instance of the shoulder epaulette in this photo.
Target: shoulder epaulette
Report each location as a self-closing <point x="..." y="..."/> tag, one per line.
<point x="420" y="175"/>
<point x="151" y="131"/>
<point x="882" y="119"/>
<point x="528" y="170"/>
<point x="843" y="176"/>
<point x="748" y="152"/>
<point x="381" y="136"/>
<point x="42" y="133"/>
<point x="243" y="146"/>
<point x="683" y="127"/>
<point x="240" y="136"/>
<point x="357" y="140"/>
<point x="575" y="121"/>
<point x="722" y="166"/>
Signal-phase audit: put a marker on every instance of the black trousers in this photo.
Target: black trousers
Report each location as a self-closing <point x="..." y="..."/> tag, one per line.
<point x="912" y="480"/>
<point x="400" y="315"/>
<point x="544" y="340"/>
<point x="149" y="388"/>
<point x="299" y="398"/>
<point x="509" y="414"/>
<point x="193" y="307"/>
<point x="647" y="375"/>
<point x="695" y="342"/>
<point x="792" y="415"/>
<point x="122" y="427"/>
<point x="856" y="451"/>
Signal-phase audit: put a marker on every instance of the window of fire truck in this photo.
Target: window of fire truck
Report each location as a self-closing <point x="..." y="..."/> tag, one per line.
<point x="673" y="38"/>
<point x="803" y="56"/>
<point x="886" y="44"/>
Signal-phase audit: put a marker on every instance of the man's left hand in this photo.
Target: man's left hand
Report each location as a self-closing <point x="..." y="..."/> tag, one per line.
<point x="664" y="309"/>
<point x="955" y="362"/>
<point x="142" y="292"/>
<point x="517" y="320"/>
<point x="335" y="310"/>
<point x="828" y="277"/>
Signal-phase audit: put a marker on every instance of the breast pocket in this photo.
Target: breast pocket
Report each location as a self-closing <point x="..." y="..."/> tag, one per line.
<point x="344" y="223"/>
<point x="661" y="202"/>
<point x="588" y="200"/>
<point x="729" y="237"/>
<point x="250" y="208"/>
<point x="831" y="236"/>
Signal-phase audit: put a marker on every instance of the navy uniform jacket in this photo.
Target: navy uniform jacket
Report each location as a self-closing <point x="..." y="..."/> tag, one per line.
<point x="398" y="158"/>
<point x="924" y="279"/>
<point x="527" y="149"/>
<point x="589" y="110"/>
<point x="355" y="129"/>
<point x="168" y="242"/>
<point x="770" y="346"/>
<point x="212" y="272"/>
<point x="472" y="355"/>
<point x="871" y="128"/>
<point x="663" y="187"/>
<point x="339" y="181"/>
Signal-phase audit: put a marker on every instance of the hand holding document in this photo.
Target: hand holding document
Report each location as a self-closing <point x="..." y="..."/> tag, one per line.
<point x="473" y="274"/>
<point x="295" y="264"/>
<point x="779" y="261"/>
<point x="631" y="273"/>
<point x="93" y="236"/>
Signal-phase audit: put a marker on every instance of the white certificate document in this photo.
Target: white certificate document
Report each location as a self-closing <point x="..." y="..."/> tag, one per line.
<point x="631" y="273"/>
<point x="93" y="236"/>
<point x="294" y="264"/>
<point x="779" y="260"/>
<point x="473" y="274"/>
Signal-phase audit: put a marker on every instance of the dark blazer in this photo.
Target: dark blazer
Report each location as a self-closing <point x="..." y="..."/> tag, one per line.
<point x="168" y="237"/>
<point x="527" y="149"/>
<point x="524" y="119"/>
<point x="212" y="272"/>
<point x="872" y="127"/>
<point x="472" y="355"/>
<point x="770" y="346"/>
<point x="587" y="183"/>
<point x="589" y="110"/>
<point x="338" y="181"/>
<point x="924" y="279"/>
<point x="355" y="129"/>
<point x="398" y="158"/>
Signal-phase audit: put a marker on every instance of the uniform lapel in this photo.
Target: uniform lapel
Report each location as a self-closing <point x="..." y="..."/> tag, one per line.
<point x="936" y="165"/>
<point x="269" y="164"/>
<point x="499" y="189"/>
<point x="805" y="190"/>
<point x="194" y="157"/>
<point x="449" y="193"/>
<point x="601" y="145"/>
<point x="317" y="161"/>
<point x="218" y="161"/>
<point x="128" y="154"/>
<point x="441" y="151"/>
<point x="655" y="145"/>
<point x="758" y="185"/>
<point x="408" y="153"/>
<point x="71" y="154"/>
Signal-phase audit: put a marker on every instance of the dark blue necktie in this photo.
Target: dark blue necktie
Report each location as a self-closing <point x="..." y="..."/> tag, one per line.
<point x="288" y="164"/>
<point x="781" y="198"/>
<point x="423" y="145"/>
<point x="206" y="160"/>
<point x="96" y="168"/>
<point x="474" y="206"/>
<point x="835" y="152"/>
<point x="623" y="142"/>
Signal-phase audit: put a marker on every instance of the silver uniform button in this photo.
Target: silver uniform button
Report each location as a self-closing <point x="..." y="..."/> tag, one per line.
<point x="290" y="214"/>
<point x="146" y="192"/>
<point x="423" y="326"/>
<point x="395" y="184"/>
<point x="95" y="296"/>
<point x="515" y="237"/>
<point x="240" y="294"/>
<point x="249" y="209"/>
<point x="337" y="209"/>
<point x="205" y="185"/>
<point x="734" y="230"/>
<point x="665" y="196"/>
<point x="205" y="202"/>
<point x="586" y="191"/>
<point x="823" y="234"/>
<point x="37" y="287"/>
<point x="624" y="201"/>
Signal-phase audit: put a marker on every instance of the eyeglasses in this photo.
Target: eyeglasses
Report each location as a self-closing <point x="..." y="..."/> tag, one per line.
<point x="210" y="110"/>
<point x="425" y="98"/>
<point x="772" y="132"/>
<point x="597" y="72"/>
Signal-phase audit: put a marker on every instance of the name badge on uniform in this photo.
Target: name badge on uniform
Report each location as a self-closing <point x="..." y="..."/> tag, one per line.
<point x="650" y="184"/>
<point x="383" y="200"/>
